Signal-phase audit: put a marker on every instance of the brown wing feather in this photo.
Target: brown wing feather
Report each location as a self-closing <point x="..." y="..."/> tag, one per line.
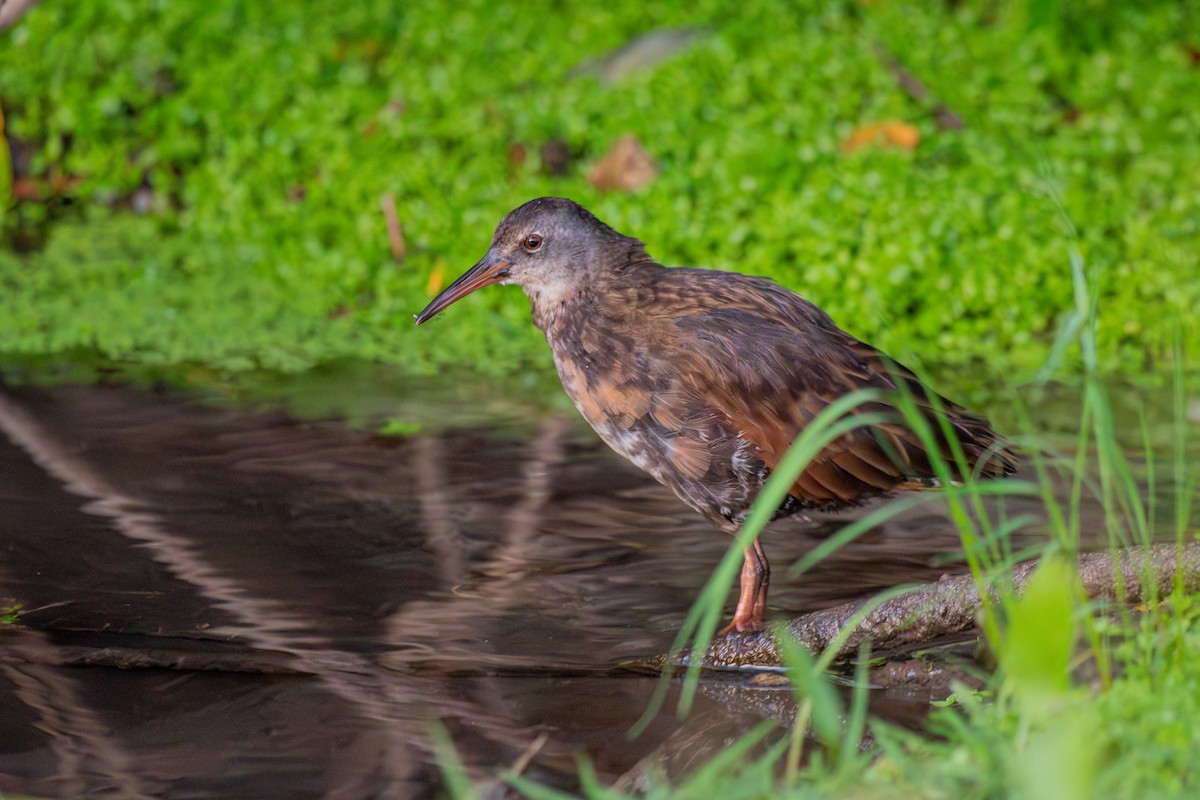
<point x="769" y="361"/>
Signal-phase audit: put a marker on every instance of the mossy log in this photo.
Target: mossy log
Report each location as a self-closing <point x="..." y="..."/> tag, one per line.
<point x="950" y="606"/>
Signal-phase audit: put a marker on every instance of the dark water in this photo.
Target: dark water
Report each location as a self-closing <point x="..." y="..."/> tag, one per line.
<point x="222" y="602"/>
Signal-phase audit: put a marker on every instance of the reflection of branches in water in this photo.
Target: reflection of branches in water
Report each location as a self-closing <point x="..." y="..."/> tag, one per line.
<point x="510" y="561"/>
<point x="548" y="572"/>
<point x="392" y="752"/>
<point x="90" y="759"/>
<point x="437" y="512"/>
<point x="499" y="583"/>
<point x="706" y="732"/>
<point x="264" y="623"/>
<point x="451" y="548"/>
<point x="498" y="586"/>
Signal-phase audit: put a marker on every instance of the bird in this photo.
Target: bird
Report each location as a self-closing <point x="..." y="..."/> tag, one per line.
<point x="703" y="378"/>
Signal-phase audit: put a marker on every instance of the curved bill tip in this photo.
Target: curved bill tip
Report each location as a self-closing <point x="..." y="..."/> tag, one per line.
<point x="489" y="270"/>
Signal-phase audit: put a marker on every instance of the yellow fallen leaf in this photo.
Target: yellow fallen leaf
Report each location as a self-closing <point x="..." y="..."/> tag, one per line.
<point x="437" y="278"/>
<point x="899" y="135"/>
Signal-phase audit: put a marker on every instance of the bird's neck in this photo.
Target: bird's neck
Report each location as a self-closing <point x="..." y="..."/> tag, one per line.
<point x="552" y="303"/>
<point x="575" y="300"/>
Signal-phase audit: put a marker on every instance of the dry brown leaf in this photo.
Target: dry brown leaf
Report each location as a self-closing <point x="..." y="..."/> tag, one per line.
<point x="25" y="189"/>
<point x="39" y="189"/>
<point x="516" y="155"/>
<point x="899" y="135"/>
<point x="626" y="167"/>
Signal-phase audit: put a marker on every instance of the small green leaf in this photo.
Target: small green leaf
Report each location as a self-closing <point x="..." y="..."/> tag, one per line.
<point x="1040" y="637"/>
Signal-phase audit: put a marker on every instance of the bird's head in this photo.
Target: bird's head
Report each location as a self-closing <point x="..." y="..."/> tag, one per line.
<point x="551" y="247"/>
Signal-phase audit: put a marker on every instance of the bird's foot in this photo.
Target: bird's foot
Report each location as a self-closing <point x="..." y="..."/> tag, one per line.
<point x="751" y="608"/>
<point x="742" y="624"/>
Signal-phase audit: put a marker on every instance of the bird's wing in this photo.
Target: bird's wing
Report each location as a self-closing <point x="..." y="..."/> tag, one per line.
<point x="766" y="362"/>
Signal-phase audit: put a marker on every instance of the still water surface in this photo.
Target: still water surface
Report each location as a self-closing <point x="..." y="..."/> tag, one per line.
<point x="217" y="599"/>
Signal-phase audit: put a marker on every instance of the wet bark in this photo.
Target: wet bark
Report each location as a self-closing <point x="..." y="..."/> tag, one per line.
<point x="950" y="606"/>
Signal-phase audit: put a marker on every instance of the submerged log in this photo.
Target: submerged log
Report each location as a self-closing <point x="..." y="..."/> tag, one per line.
<point x="950" y="606"/>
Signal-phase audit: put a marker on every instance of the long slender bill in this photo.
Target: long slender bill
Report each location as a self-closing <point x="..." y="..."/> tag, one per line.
<point x="489" y="270"/>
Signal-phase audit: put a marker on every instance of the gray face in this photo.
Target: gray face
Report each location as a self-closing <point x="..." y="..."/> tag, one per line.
<point x="549" y="247"/>
<point x="550" y="240"/>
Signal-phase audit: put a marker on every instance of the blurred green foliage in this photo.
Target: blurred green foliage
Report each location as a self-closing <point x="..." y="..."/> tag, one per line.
<point x="262" y="136"/>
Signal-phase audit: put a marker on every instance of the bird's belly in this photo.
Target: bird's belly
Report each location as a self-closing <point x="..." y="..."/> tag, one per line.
<point x="626" y="437"/>
<point x="719" y="475"/>
<point x="723" y="493"/>
<point x="643" y="451"/>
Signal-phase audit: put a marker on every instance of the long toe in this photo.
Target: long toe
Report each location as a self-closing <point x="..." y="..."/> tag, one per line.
<point x="743" y="623"/>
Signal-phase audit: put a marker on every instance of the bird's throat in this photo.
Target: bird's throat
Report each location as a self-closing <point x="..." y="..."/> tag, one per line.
<point x="551" y="303"/>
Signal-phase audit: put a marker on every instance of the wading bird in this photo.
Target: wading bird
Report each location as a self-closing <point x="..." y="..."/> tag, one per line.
<point x="703" y="378"/>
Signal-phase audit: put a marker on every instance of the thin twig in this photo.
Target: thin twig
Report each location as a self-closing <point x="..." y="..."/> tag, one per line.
<point x="395" y="235"/>
<point x="534" y="748"/>
<point x="946" y="119"/>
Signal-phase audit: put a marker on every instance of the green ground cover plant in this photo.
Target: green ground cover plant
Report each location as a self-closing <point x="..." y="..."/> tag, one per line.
<point x="202" y="181"/>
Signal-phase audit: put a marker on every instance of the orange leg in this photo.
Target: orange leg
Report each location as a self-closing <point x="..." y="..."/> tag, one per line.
<point x="752" y="599"/>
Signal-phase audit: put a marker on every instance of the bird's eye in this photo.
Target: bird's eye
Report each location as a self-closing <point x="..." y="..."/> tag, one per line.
<point x="532" y="242"/>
